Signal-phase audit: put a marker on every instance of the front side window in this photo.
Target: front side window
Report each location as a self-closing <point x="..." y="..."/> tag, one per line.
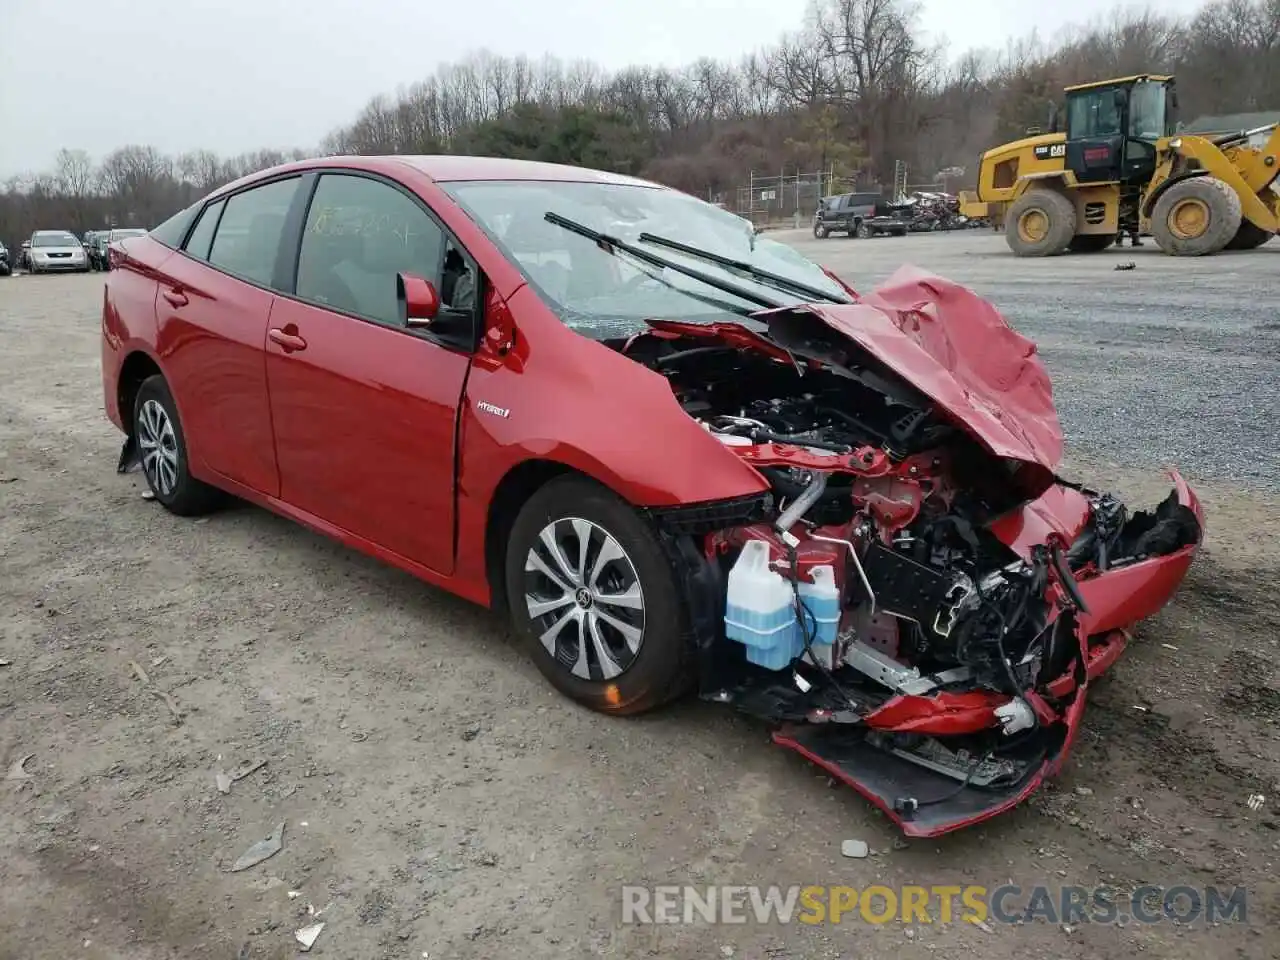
<point x="359" y="234"/>
<point x="247" y="242"/>
<point x="602" y="295"/>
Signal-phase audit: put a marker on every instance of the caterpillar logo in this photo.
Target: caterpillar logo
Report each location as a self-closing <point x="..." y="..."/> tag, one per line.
<point x="1047" y="151"/>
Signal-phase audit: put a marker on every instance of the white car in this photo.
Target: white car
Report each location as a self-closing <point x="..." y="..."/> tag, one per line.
<point x="57" y="250"/>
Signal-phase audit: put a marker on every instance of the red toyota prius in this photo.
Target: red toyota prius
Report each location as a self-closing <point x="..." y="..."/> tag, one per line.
<point x="674" y="452"/>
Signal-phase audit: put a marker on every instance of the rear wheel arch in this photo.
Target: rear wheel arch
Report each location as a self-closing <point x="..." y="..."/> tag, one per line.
<point x="137" y="367"/>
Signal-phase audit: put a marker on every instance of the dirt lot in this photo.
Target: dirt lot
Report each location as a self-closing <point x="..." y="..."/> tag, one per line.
<point x="441" y="801"/>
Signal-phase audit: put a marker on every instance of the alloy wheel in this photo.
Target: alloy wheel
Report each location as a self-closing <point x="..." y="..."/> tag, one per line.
<point x="159" y="446"/>
<point x="585" y="599"/>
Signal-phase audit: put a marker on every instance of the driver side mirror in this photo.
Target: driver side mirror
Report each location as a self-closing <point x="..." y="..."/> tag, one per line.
<point x="418" y="300"/>
<point x="1053" y="116"/>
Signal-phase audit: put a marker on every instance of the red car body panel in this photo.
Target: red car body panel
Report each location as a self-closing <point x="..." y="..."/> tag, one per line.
<point x="364" y="420"/>
<point x="211" y="344"/>
<point x="957" y="348"/>
<point x="398" y="446"/>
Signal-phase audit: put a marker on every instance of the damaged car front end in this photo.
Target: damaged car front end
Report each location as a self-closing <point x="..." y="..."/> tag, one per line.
<point x="922" y="605"/>
<point x="913" y="597"/>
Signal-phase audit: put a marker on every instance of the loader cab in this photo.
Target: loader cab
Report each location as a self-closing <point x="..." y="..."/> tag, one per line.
<point x="1113" y="126"/>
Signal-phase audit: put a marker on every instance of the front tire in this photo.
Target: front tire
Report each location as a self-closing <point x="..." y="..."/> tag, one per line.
<point x="1196" y="217"/>
<point x="819" y="231"/>
<point x="594" y="599"/>
<point x="162" y="448"/>
<point x="1040" y="223"/>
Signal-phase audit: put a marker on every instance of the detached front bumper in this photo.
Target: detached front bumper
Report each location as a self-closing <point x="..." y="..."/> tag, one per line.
<point x="926" y="803"/>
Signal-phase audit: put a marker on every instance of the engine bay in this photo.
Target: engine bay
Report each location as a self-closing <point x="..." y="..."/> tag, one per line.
<point x="878" y="581"/>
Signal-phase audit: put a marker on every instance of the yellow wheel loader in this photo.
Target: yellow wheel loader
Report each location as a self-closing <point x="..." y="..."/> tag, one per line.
<point x="1121" y="167"/>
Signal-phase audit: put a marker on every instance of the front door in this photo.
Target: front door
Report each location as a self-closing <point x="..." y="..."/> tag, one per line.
<point x="364" y="409"/>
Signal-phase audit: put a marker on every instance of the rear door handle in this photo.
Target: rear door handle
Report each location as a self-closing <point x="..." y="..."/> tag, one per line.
<point x="176" y="297"/>
<point x="288" y="341"/>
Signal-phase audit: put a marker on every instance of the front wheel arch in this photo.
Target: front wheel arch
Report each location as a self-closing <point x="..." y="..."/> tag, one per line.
<point x="512" y="492"/>
<point x="663" y="666"/>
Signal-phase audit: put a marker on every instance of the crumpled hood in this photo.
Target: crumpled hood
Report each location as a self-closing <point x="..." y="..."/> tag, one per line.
<point x="958" y="350"/>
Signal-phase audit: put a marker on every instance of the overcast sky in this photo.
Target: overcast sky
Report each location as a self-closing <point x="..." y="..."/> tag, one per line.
<point x="236" y="75"/>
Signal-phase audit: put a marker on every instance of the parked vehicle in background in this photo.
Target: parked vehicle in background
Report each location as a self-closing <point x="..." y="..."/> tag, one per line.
<point x="53" y="250"/>
<point x="6" y="267"/>
<point x="856" y="215"/>
<point x="845" y="213"/>
<point x="99" y="250"/>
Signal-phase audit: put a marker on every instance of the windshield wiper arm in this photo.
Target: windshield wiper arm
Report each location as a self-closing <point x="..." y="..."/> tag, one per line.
<point x="784" y="283"/>
<point x="614" y="243"/>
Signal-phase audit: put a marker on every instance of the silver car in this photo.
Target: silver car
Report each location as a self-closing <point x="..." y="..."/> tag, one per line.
<point x="56" y="250"/>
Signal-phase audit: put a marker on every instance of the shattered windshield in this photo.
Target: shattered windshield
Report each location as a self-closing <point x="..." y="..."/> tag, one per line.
<point x="601" y="295"/>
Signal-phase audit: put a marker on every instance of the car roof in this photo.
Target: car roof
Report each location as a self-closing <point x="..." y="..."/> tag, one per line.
<point x="449" y="168"/>
<point x="452" y="168"/>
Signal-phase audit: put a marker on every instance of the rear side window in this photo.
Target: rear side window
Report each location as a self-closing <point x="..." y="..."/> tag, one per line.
<point x="171" y="232"/>
<point x="247" y="241"/>
<point x="201" y="238"/>
<point x="359" y="234"/>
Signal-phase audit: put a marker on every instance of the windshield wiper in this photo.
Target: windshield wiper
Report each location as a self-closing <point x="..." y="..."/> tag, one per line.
<point x="612" y="244"/>
<point x="741" y="266"/>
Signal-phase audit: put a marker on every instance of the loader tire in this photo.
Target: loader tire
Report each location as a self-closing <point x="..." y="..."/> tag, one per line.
<point x="1196" y="217"/>
<point x="1040" y="223"/>
<point x="1090" y="242"/>
<point x="1249" y="236"/>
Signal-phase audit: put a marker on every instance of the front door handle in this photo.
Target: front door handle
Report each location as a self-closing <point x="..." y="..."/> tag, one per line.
<point x="289" y="342"/>
<point x="176" y="297"/>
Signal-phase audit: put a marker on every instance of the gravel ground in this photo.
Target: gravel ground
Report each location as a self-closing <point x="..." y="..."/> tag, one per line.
<point x="439" y="800"/>
<point x="1174" y="361"/>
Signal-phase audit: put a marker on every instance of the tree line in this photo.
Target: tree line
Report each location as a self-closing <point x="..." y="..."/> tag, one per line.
<point x="855" y="89"/>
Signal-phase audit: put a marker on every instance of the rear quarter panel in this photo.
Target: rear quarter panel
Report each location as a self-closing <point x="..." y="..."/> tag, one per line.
<point x="129" y="316"/>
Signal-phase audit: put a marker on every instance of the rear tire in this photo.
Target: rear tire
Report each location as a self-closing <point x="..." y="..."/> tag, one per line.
<point x="617" y="658"/>
<point x="1090" y="242"/>
<point x="1196" y="217"/>
<point x="1040" y="223"/>
<point x="162" y="447"/>
<point x="862" y="232"/>
<point x="1249" y="236"/>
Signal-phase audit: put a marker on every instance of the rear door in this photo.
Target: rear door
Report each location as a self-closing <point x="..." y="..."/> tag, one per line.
<point x="365" y="410"/>
<point x="215" y="299"/>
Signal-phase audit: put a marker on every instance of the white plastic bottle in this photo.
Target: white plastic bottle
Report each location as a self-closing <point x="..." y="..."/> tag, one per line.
<point x="760" y="609"/>
<point x="820" y="604"/>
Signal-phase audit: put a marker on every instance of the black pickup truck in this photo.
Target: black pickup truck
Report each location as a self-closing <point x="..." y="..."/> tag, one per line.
<point x="856" y="215"/>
